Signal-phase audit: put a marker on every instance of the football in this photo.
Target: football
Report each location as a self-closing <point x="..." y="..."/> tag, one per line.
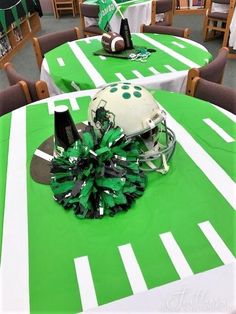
<point x="113" y="42"/>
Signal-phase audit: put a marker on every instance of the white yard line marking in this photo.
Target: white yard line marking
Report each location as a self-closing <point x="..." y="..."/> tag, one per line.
<point x="217" y="176"/>
<point x="153" y="70"/>
<point x="178" y="44"/>
<point x="75" y="86"/>
<point x="14" y="271"/>
<point x="216" y="242"/>
<point x="170" y="68"/>
<point x="85" y="283"/>
<point x="132" y="268"/>
<point x="102" y="57"/>
<point x="181" y="265"/>
<point x="45" y="65"/>
<point x="73" y="103"/>
<point x="169" y="51"/>
<point x="225" y="136"/>
<point x="61" y="62"/>
<point x="193" y="43"/>
<point x="227" y="113"/>
<point x="120" y="77"/>
<point x="87" y="65"/>
<point x="51" y="106"/>
<point x="87" y="40"/>
<point x="43" y="155"/>
<point x="90" y="93"/>
<point x="137" y="73"/>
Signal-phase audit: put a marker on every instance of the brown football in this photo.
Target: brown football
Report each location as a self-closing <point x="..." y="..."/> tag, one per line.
<point x="113" y="42"/>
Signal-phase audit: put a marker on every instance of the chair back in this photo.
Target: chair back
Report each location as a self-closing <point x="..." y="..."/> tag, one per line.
<point x="14" y="97"/>
<point x="216" y="21"/>
<point x="36" y="93"/>
<point x="168" y="30"/>
<point x="60" y="6"/>
<point x="213" y="72"/>
<point x="162" y="6"/>
<point x="47" y="42"/>
<point x="221" y="96"/>
<point x="89" y="11"/>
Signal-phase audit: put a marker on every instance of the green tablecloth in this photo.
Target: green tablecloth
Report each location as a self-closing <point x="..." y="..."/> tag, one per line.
<point x="73" y="66"/>
<point x="175" y="204"/>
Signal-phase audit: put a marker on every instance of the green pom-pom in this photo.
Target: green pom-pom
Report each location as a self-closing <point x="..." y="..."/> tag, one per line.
<point x="99" y="174"/>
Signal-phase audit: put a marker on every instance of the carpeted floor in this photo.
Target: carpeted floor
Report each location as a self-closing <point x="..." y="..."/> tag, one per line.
<point x="25" y="61"/>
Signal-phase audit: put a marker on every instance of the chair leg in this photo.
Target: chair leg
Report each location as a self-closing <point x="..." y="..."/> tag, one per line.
<point x="205" y="29"/>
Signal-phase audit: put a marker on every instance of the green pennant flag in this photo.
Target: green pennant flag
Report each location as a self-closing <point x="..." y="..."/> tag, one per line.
<point x="15" y="14"/>
<point x="107" y="9"/>
<point x="23" y="2"/>
<point x="3" y="20"/>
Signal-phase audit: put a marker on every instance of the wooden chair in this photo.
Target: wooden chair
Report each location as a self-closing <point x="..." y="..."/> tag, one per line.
<point x="222" y="96"/>
<point x="50" y="41"/>
<point x="162" y="6"/>
<point x="89" y="11"/>
<point x="212" y="72"/>
<point x="64" y="6"/>
<point x="169" y="30"/>
<point x="38" y="90"/>
<point x="216" y="22"/>
<point x="14" y="97"/>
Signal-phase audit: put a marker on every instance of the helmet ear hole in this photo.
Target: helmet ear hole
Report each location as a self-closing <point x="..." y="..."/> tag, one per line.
<point x="150" y="133"/>
<point x="146" y="135"/>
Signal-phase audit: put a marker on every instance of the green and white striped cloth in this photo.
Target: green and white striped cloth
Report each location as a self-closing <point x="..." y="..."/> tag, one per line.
<point x="73" y="66"/>
<point x="184" y="224"/>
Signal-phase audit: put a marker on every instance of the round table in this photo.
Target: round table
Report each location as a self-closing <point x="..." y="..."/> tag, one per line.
<point x="164" y="254"/>
<point x="73" y="66"/>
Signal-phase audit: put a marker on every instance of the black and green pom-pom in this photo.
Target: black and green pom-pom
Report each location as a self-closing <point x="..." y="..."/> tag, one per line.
<point x="99" y="174"/>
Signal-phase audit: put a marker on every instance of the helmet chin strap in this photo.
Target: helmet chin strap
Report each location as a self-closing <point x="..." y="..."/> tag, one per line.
<point x="165" y="168"/>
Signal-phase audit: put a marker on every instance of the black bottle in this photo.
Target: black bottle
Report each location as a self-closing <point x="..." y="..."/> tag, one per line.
<point x="125" y="33"/>
<point x="65" y="132"/>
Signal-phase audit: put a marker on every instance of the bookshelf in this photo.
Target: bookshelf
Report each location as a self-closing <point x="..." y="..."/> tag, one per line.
<point x="190" y="7"/>
<point x="16" y="37"/>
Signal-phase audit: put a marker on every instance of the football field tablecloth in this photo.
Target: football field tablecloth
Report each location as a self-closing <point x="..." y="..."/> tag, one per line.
<point x="73" y="66"/>
<point x="183" y="224"/>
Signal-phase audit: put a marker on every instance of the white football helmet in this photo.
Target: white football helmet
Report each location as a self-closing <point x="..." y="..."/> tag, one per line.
<point x="134" y="109"/>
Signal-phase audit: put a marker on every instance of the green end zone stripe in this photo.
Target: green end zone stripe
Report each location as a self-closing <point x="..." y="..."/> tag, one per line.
<point x="191" y="118"/>
<point x="192" y="52"/>
<point x="72" y="71"/>
<point x="5" y="125"/>
<point x="176" y="202"/>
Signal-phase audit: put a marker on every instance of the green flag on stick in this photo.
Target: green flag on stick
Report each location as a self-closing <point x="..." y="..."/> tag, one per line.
<point x="107" y="9"/>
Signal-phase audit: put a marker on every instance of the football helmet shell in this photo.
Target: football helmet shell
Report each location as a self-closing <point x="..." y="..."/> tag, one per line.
<point x="135" y="110"/>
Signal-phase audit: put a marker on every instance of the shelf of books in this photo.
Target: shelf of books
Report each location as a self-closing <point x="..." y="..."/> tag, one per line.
<point x="190" y="7"/>
<point x="16" y="36"/>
